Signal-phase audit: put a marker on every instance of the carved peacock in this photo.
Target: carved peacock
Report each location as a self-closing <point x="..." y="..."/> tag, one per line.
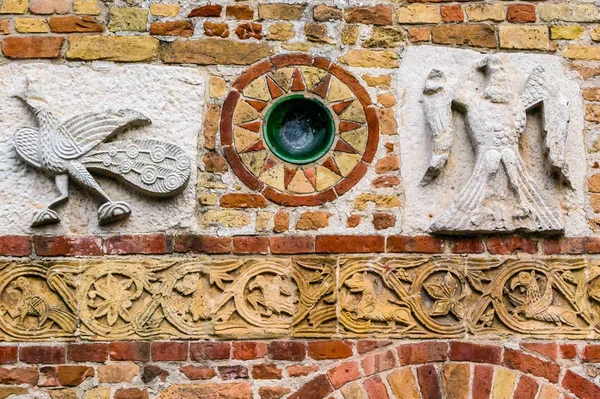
<point x="75" y="147"/>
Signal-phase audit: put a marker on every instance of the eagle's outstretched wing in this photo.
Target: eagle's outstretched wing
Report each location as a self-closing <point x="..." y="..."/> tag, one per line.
<point x="26" y="141"/>
<point x="437" y="105"/>
<point x="556" y="118"/>
<point x="89" y="129"/>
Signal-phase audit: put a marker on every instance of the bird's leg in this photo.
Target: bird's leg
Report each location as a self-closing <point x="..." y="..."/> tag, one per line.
<point x="109" y="211"/>
<point x="48" y="215"/>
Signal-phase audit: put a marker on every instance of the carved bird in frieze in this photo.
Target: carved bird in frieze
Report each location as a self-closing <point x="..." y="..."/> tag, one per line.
<point x="75" y="148"/>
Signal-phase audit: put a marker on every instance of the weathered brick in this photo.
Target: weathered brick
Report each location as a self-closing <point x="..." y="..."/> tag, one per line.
<point x="273" y="392"/>
<point x="372" y="15"/>
<point x="378" y="362"/>
<point x="31" y="25"/>
<point x="112" y="48"/>
<point x="467" y="245"/>
<point x="248" y="350"/>
<point x="235" y="372"/>
<point x="468" y="352"/>
<point x="456" y="378"/>
<point x="209" y="351"/>
<point x="521" y="13"/>
<point x="202" y="244"/>
<point x="524" y="37"/>
<point x="313" y="220"/>
<point x="532" y="365"/>
<point x="453" y="13"/>
<point x="215" y="29"/>
<point x="512" y="244"/>
<point x="132" y="351"/>
<point x="527" y="388"/>
<point x="482" y="381"/>
<point x="349" y="244"/>
<point x="418" y="14"/>
<point x="71" y="376"/>
<point x="234" y="200"/>
<point x="118" y="372"/>
<point x="75" y="24"/>
<point x="485" y="12"/>
<point x="569" y="12"/>
<point x="323" y="13"/>
<point x="292" y="244"/>
<point x="547" y="349"/>
<point x="87" y="352"/>
<point x="375" y="388"/>
<point x="164" y="10"/>
<point x="207" y="11"/>
<point x="197" y="372"/>
<point x="42" y="354"/>
<point x="476" y="35"/>
<point x="67" y="246"/>
<point x="266" y="372"/>
<point x="568" y="32"/>
<point x="128" y="19"/>
<point x="19" y="375"/>
<point x="239" y="12"/>
<point x="321" y="350"/>
<point x="419" y="244"/>
<point x="172" y="28"/>
<point x="152" y="371"/>
<point x="249" y="30"/>
<point x="578" y="52"/>
<point x="425" y="352"/>
<point x="15" y="245"/>
<point x="429" y="382"/>
<point x="371" y="58"/>
<point x="250" y="244"/>
<point x="343" y="373"/>
<point x="169" y="351"/>
<point x="137" y="244"/>
<point x="131" y="393"/>
<point x="287" y="350"/>
<point x="580" y="386"/>
<point x="32" y="46"/>
<point x="215" y="52"/>
<point x="382" y="221"/>
<point x="318" y="387"/>
<point x="8" y="354"/>
<point x="280" y="11"/>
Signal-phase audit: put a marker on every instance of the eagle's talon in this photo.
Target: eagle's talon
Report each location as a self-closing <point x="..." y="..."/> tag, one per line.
<point x="113" y="212"/>
<point x="47" y="216"/>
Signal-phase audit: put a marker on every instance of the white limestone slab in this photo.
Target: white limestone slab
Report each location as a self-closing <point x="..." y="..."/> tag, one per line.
<point x="172" y="97"/>
<point x="424" y="203"/>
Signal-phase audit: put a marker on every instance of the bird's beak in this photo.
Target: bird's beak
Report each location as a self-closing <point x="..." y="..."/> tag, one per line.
<point x="18" y="97"/>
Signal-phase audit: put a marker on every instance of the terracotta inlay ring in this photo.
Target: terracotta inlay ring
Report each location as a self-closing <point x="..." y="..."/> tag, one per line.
<point x="323" y="180"/>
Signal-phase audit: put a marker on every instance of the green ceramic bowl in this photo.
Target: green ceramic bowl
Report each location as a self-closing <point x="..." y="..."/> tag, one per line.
<point x="299" y="129"/>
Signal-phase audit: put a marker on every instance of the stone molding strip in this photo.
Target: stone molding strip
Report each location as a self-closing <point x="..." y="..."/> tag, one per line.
<point x="160" y="244"/>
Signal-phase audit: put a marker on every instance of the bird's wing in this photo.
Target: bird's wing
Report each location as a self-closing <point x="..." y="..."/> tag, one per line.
<point x="26" y="141"/>
<point x="154" y="167"/>
<point x="90" y="129"/>
<point x="556" y="118"/>
<point x="437" y="104"/>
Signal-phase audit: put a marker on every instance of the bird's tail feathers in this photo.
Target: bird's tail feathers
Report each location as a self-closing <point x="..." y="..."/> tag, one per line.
<point x="154" y="167"/>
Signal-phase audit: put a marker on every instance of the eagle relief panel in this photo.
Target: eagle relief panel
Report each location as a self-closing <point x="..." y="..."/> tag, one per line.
<point x="501" y="135"/>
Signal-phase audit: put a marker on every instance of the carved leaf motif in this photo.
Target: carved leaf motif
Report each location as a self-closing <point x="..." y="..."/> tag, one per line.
<point x="441" y="308"/>
<point x="476" y="279"/>
<point x="116" y="299"/>
<point x="435" y="290"/>
<point x="446" y="293"/>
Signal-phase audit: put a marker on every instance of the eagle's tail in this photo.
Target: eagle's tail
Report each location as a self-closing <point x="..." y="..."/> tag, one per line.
<point x="156" y="168"/>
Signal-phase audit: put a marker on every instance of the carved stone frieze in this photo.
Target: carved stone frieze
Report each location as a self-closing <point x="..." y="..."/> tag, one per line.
<point x="354" y="297"/>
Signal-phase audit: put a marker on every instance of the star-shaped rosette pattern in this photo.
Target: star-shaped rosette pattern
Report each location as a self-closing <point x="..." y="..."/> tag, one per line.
<point x="333" y="174"/>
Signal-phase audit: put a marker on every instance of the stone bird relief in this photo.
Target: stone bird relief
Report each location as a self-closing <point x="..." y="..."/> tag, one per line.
<point x="500" y="195"/>
<point x="76" y="148"/>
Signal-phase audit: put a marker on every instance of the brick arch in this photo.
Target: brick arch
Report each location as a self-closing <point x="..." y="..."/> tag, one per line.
<point x="452" y="370"/>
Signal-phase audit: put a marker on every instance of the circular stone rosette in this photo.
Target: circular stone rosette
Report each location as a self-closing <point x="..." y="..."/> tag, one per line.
<point x="284" y="181"/>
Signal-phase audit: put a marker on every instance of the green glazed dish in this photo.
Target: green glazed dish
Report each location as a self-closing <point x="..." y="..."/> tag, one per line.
<point x="299" y="129"/>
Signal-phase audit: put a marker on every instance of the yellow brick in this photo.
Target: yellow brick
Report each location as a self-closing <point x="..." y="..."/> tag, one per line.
<point x="569" y="12"/>
<point x="595" y="34"/>
<point x="31" y="25"/>
<point x="485" y="12"/>
<point x="370" y="59"/>
<point x="112" y="48"/>
<point x="281" y="31"/>
<point x="503" y="384"/>
<point x="85" y="7"/>
<point x="350" y="34"/>
<point x="583" y="53"/>
<point x="14" y="7"/>
<point x="570" y="32"/>
<point x="524" y="37"/>
<point x="164" y="10"/>
<point x="419" y="13"/>
<point x="217" y="87"/>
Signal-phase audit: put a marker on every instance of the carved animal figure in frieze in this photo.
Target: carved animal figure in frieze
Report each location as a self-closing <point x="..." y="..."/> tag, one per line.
<point x="75" y="148"/>
<point x="270" y="295"/>
<point x="30" y="304"/>
<point x="500" y="195"/>
<point x="372" y="307"/>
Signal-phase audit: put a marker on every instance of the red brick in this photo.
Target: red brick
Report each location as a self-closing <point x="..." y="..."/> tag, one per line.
<point x="32" y="46"/>
<point x="591" y="353"/>
<point x="317" y="388"/>
<point x="468" y="352"/>
<point x="42" y="354"/>
<point x="418" y="244"/>
<point x="249" y="30"/>
<point x="367" y="345"/>
<point x="575" y="245"/>
<point x="375" y="15"/>
<point x="375" y="388"/>
<point x="301" y="371"/>
<point x="513" y="244"/>
<point x="453" y="13"/>
<point x="321" y="350"/>
<point x="246" y="350"/>
<point x="243" y="201"/>
<point x="349" y="244"/>
<point x="548" y="349"/>
<point x="216" y="29"/>
<point x="287" y="350"/>
<point x="273" y="392"/>
<point x="292" y="244"/>
<point x="169" y="351"/>
<point x="250" y="245"/>
<point x="152" y="371"/>
<point x="72" y="376"/>
<point x="378" y="362"/>
<point x="239" y="12"/>
<point x="8" y="354"/>
<point x="74" y="24"/>
<point x="67" y="246"/>
<point x="172" y="28"/>
<point x="343" y="373"/>
<point x="568" y="351"/>
<point x="418" y="34"/>
<point x="15" y="245"/>
<point x="424" y="352"/>
<point x="475" y="35"/>
<point x="386" y="181"/>
<point x="198" y="373"/>
<point x="211" y="10"/>
<point x="137" y="244"/>
<point x="266" y="372"/>
<point x="580" y="386"/>
<point x="48" y="377"/>
<point x="209" y="350"/>
<point x="466" y="245"/>
<point x="133" y="351"/>
<point x="531" y="365"/>
<point x="526" y="389"/>
<point x="482" y="382"/>
<point x="520" y="13"/>
<point x="131" y="393"/>
<point x="382" y="221"/>
<point x="233" y="372"/>
<point x="19" y="375"/>
<point x="89" y="352"/>
<point x="429" y="382"/>
<point x="202" y="244"/>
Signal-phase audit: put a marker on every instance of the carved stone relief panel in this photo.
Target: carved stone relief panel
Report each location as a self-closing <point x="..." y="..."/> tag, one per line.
<point x="304" y="297"/>
<point x="66" y="129"/>
<point x="490" y="143"/>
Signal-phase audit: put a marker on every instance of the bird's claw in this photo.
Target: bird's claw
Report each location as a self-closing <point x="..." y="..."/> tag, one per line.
<point x="47" y="216"/>
<point x="113" y="211"/>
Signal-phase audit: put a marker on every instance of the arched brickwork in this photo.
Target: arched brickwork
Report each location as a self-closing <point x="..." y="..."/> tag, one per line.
<point x="453" y="370"/>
